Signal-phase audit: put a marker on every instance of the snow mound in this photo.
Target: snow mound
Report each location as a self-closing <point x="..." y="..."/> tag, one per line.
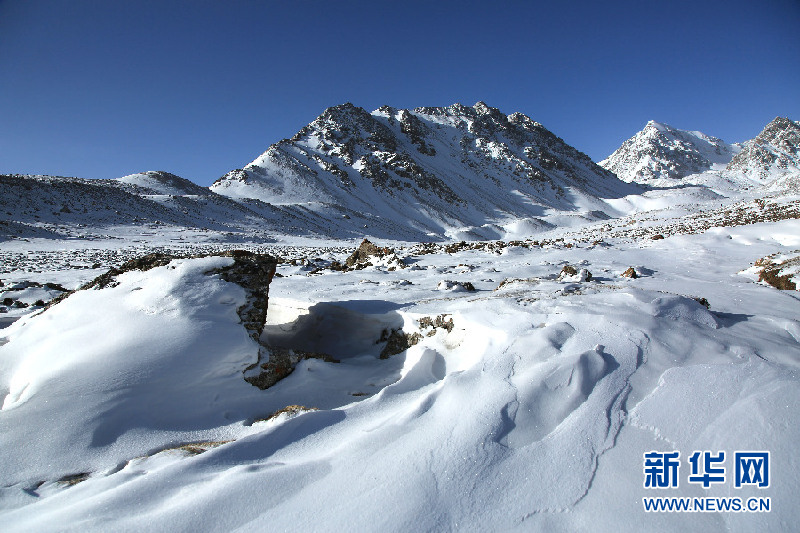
<point x="126" y="367"/>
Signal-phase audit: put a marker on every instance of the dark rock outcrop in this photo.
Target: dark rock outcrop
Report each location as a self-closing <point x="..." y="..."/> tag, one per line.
<point x="364" y="252"/>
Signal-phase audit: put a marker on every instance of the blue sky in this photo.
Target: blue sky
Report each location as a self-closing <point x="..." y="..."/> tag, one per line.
<point x="101" y="89"/>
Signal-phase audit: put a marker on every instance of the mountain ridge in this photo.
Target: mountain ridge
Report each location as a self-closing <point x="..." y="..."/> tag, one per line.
<point x="428" y="173"/>
<point x="438" y="167"/>
<point x="773" y="153"/>
<point x="662" y="152"/>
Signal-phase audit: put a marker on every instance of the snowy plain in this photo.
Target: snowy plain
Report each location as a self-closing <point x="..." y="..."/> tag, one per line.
<point x="532" y="412"/>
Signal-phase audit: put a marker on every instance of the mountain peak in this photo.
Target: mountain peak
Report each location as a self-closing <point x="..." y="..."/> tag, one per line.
<point x="774" y="152"/>
<point x="658" y="126"/>
<point x="781" y="122"/>
<point x="482" y="108"/>
<point x="661" y="151"/>
<point x="429" y="169"/>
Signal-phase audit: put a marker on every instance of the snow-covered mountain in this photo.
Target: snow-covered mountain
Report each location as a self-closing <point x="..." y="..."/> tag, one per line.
<point x="42" y="205"/>
<point x="422" y="174"/>
<point x="662" y="152"/>
<point x="773" y="154"/>
<point x="430" y="173"/>
<point x="437" y="169"/>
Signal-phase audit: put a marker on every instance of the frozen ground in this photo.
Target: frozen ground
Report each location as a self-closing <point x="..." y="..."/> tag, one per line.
<point x="532" y="411"/>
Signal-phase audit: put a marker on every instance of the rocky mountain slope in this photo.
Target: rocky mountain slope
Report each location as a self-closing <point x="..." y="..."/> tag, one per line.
<point x="662" y="152"/>
<point x="774" y="153"/>
<point x="437" y="169"/>
<point x="431" y="173"/>
<point x="663" y="156"/>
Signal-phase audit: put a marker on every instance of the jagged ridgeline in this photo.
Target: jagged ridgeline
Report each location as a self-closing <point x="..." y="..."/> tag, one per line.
<point x="431" y="173"/>
<point x="430" y="169"/>
<point x="661" y="155"/>
<point x="660" y="151"/>
<point x="774" y="153"/>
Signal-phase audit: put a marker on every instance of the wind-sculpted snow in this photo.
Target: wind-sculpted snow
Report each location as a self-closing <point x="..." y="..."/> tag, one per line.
<point x="526" y="404"/>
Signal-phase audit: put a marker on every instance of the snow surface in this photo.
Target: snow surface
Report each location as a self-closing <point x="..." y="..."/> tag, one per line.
<point x="532" y="413"/>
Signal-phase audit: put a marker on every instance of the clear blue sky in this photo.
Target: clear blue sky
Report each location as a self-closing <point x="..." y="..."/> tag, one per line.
<point x="101" y="89"/>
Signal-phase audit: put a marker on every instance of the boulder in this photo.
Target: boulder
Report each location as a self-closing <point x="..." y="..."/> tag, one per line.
<point x="630" y="273"/>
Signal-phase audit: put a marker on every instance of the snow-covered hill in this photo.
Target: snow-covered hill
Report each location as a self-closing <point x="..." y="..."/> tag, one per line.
<point x="59" y="207"/>
<point x="453" y="170"/>
<point x="48" y="203"/>
<point x="660" y="152"/>
<point x="160" y="182"/>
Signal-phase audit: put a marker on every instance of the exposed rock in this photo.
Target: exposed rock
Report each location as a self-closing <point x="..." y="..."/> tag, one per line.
<point x="73" y="479"/>
<point x="455" y="247"/>
<point x="397" y="342"/>
<point x="279" y="363"/>
<point x="511" y="281"/>
<point x="772" y="276"/>
<point x="291" y="410"/>
<point x="196" y="448"/>
<point x="570" y="273"/>
<point x="441" y="321"/>
<point x="364" y="252"/>
<point x="568" y="270"/>
<point x="781" y="270"/>
<point x="630" y="273"/>
<point x="701" y="301"/>
<point x="143" y="263"/>
<point x="449" y="285"/>
<point x="253" y="272"/>
<point x="657" y="237"/>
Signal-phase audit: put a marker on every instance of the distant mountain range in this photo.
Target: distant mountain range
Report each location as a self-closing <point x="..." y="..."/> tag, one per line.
<point x="660" y="154"/>
<point x="429" y="173"/>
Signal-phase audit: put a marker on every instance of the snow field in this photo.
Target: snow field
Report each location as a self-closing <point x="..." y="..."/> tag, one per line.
<point x="533" y="412"/>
